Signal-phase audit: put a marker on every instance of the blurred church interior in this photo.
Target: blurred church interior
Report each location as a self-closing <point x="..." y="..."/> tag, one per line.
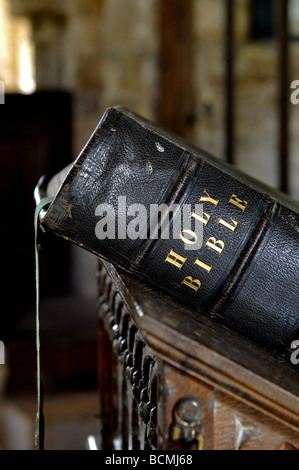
<point x="217" y="73"/>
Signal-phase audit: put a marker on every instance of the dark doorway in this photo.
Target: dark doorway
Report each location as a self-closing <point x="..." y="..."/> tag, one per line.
<point x="35" y="139"/>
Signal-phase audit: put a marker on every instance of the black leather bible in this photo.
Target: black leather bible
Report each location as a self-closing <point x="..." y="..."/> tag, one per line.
<point x="191" y="226"/>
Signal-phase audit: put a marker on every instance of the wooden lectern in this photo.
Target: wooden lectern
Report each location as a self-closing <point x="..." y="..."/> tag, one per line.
<point x="170" y="378"/>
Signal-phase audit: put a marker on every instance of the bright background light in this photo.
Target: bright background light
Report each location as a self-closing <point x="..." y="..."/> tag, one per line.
<point x="16" y="52"/>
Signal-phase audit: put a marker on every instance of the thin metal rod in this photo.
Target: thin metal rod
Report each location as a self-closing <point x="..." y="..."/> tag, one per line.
<point x="229" y="85"/>
<point x="176" y="101"/>
<point x="283" y="76"/>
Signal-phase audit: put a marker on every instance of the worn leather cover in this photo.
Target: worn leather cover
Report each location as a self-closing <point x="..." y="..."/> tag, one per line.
<point x="243" y="274"/>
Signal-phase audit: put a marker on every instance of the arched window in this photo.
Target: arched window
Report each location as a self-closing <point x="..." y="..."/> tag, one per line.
<point x="294" y="19"/>
<point x="16" y="52"/>
<point x="262" y="19"/>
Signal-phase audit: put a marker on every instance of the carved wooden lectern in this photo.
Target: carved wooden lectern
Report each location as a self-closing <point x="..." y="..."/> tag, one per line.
<point x="170" y="378"/>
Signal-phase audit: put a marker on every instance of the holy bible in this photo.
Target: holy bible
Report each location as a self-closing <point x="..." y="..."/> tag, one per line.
<point x="182" y="221"/>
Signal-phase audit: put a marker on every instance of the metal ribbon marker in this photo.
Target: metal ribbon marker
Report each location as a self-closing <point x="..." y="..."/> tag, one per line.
<point x="39" y="426"/>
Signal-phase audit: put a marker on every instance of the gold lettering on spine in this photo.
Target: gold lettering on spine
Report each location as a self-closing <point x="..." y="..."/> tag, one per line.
<point x="203" y="265"/>
<point x="217" y="245"/>
<point x="208" y="199"/>
<point x="187" y="240"/>
<point x="231" y="227"/>
<point x="175" y="259"/>
<point x="201" y="219"/>
<point x="238" y="202"/>
<point x="193" y="283"/>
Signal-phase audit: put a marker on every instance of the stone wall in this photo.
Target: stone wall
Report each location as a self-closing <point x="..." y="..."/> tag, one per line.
<point x="107" y="51"/>
<point x="256" y="93"/>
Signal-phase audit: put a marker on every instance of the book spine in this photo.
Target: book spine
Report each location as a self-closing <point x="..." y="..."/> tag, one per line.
<point x="219" y="244"/>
